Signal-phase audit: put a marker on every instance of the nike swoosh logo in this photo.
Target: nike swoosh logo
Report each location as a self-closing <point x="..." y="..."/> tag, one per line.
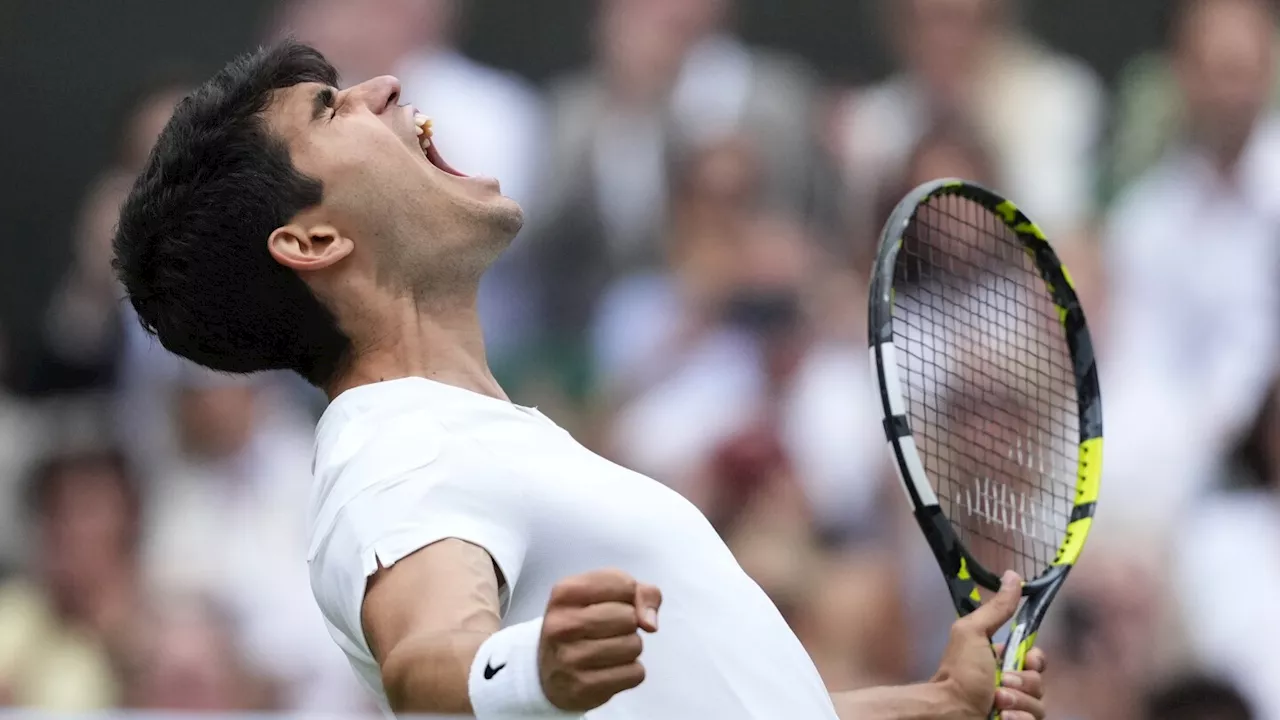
<point x="490" y="671"/>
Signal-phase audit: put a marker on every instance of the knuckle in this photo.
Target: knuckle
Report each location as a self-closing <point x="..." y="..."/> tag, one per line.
<point x="568" y="655"/>
<point x="623" y="616"/>
<point x="1032" y="682"/>
<point x="562" y="590"/>
<point x="635" y="675"/>
<point x="617" y="577"/>
<point x="613" y="619"/>
<point x="556" y="626"/>
<point x="634" y="645"/>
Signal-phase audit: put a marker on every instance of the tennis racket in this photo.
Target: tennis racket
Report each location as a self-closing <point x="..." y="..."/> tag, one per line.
<point x="990" y="395"/>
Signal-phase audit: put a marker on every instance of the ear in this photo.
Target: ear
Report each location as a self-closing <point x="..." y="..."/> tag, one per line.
<point x="307" y="249"/>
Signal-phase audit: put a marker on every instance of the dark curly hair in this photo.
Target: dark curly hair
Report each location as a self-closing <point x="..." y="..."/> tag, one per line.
<point x="191" y="247"/>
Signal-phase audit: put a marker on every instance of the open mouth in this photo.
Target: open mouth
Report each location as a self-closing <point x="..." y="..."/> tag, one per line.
<point x="429" y="150"/>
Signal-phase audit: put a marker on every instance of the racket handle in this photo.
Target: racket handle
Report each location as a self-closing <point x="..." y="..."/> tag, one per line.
<point x="1014" y="659"/>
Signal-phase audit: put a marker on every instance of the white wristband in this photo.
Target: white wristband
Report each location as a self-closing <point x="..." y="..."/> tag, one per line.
<point x="505" y="683"/>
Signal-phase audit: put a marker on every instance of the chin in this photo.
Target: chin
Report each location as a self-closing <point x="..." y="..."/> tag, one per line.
<point x="507" y="217"/>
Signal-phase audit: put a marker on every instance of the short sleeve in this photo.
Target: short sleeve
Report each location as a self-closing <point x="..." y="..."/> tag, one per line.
<point x="392" y="499"/>
<point x="396" y="519"/>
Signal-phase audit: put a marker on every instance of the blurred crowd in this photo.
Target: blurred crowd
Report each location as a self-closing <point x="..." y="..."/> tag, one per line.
<point x="689" y="299"/>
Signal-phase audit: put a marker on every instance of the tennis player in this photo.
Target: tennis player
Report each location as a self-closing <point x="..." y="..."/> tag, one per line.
<point x="469" y="556"/>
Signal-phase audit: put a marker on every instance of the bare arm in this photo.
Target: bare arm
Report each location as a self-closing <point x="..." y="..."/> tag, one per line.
<point x="965" y="686"/>
<point x="927" y="701"/>
<point x="425" y="618"/>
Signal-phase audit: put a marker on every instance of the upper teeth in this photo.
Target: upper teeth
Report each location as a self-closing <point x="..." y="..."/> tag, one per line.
<point x="424" y="129"/>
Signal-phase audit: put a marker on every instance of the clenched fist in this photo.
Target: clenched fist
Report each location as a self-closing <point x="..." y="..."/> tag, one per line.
<point x="590" y="646"/>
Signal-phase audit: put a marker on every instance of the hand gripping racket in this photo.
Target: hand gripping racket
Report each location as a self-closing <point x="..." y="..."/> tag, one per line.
<point x="990" y="395"/>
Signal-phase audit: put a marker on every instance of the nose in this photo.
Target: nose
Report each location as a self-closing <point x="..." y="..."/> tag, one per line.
<point x="378" y="94"/>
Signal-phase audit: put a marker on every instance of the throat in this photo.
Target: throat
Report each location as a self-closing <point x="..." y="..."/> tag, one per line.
<point x="442" y="342"/>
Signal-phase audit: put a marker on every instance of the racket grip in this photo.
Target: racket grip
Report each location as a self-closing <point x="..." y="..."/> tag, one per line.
<point x="1014" y="660"/>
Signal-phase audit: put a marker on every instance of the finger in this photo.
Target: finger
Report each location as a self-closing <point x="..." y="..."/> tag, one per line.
<point x="1026" y="681"/>
<point x="600" y="685"/>
<point x="996" y="612"/>
<point x="1017" y="715"/>
<point x="647" y="601"/>
<point x="600" y="654"/>
<point x="590" y="588"/>
<point x="1015" y="700"/>
<point x="603" y="620"/>
<point x="1036" y="660"/>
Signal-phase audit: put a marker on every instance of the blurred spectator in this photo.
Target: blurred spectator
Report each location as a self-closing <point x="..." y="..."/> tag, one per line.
<point x="666" y="80"/>
<point x="79" y="347"/>
<point x="723" y="379"/>
<point x="646" y="317"/>
<point x="1197" y="698"/>
<point x="724" y="88"/>
<point x="1233" y="537"/>
<point x="675" y="273"/>
<point x="76" y="610"/>
<point x="1108" y="635"/>
<point x="188" y="661"/>
<point x="946" y="150"/>
<point x="487" y="122"/>
<point x="80" y="343"/>
<point x="965" y="60"/>
<point x="1192" y="257"/>
<point x="854" y="619"/>
<point x="1150" y="113"/>
<point x="229" y="512"/>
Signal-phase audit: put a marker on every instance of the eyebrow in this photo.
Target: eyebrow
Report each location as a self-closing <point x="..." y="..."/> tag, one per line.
<point x="321" y="102"/>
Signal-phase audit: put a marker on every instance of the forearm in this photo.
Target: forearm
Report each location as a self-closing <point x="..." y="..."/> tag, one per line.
<point x="431" y="674"/>
<point x="926" y="701"/>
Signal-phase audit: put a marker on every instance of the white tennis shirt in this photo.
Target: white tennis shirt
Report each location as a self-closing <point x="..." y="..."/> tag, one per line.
<point x="405" y="463"/>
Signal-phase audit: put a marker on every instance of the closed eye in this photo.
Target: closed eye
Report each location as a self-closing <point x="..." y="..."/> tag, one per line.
<point x="323" y="104"/>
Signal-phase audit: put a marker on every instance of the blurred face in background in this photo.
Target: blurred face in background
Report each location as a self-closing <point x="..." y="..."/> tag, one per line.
<point x="1225" y="63"/>
<point x="364" y="39"/>
<point x="641" y="45"/>
<point x="712" y="202"/>
<point x="188" y="663"/>
<point x="947" y="151"/>
<point x="772" y="266"/>
<point x="943" y="43"/>
<point x="87" y="530"/>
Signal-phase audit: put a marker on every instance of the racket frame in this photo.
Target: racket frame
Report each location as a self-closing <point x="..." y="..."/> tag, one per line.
<point x="964" y="575"/>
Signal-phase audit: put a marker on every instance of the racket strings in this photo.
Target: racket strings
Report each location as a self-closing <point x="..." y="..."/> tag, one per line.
<point x="988" y="383"/>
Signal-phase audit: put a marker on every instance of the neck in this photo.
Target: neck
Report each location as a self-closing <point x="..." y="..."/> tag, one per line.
<point x="438" y="341"/>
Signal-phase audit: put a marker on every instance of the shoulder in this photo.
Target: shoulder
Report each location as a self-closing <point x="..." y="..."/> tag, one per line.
<point x="398" y="468"/>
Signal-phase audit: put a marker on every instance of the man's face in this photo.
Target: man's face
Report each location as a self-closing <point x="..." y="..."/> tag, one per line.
<point x="416" y="219"/>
